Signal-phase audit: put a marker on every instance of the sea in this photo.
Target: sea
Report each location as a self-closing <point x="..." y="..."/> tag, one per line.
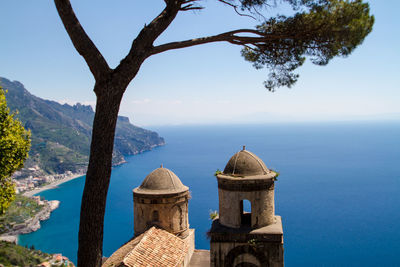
<point x="338" y="191"/>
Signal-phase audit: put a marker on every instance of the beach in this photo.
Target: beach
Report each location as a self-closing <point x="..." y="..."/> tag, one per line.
<point x="52" y="185"/>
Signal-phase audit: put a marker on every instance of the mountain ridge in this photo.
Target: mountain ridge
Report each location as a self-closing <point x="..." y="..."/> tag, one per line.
<point x="61" y="133"/>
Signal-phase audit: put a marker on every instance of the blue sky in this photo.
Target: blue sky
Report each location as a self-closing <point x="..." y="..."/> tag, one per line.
<point x="204" y="84"/>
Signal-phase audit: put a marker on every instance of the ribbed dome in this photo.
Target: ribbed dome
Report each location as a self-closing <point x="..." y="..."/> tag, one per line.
<point x="245" y="163"/>
<point x="162" y="179"/>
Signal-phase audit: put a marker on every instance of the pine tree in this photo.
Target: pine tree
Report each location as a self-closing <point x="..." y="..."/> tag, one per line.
<point x="319" y="29"/>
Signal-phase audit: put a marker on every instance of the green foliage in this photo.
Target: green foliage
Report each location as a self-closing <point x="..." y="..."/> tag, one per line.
<point x="20" y="210"/>
<point x="252" y="242"/>
<point x="14" y="148"/>
<point x="213" y="214"/>
<point x="14" y="255"/>
<point x="276" y="174"/>
<point x="321" y="30"/>
<point x="217" y="172"/>
<point x="296" y="4"/>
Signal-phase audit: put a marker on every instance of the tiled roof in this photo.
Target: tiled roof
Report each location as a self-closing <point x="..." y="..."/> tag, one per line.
<point x="156" y="247"/>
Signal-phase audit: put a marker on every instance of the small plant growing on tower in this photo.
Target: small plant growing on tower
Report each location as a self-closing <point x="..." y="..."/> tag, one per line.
<point x="252" y="242"/>
<point x="213" y="214"/>
<point x="276" y="174"/>
<point x="217" y="172"/>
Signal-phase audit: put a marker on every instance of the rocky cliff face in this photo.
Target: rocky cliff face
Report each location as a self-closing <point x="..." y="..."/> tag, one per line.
<point x="61" y="133"/>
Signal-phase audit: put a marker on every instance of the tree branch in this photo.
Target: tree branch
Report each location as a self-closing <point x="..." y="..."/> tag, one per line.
<point x="143" y="44"/>
<point x="230" y="37"/>
<point x="191" y="7"/>
<point x="81" y="41"/>
<point x="235" y="7"/>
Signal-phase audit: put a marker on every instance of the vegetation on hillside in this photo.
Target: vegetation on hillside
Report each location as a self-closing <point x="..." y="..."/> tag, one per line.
<point x="20" y="210"/>
<point x="61" y="134"/>
<point x="15" y="255"/>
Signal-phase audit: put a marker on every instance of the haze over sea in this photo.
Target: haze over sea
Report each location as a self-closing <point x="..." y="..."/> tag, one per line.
<point x="338" y="191"/>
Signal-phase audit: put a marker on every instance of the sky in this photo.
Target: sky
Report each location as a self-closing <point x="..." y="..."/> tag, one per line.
<point x="207" y="84"/>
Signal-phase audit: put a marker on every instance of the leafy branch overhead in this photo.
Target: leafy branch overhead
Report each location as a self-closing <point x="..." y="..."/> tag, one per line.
<point x="319" y="29"/>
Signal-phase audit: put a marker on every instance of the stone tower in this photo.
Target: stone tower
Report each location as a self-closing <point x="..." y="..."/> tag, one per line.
<point x="161" y="200"/>
<point x="162" y="236"/>
<point x="240" y="238"/>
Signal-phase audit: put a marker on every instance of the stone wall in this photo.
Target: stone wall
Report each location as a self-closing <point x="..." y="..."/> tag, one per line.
<point x="190" y="241"/>
<point x="262" y="207"/>
<point x="167" y="212"/>
<point x="224" y="254"/>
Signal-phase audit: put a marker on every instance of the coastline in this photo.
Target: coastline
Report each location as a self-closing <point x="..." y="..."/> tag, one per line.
<point x="32" y="224"/>
<point x="52" y="185"/>
<point x="55" y="184"/>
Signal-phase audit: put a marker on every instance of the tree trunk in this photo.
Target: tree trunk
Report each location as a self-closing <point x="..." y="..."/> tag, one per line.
<point x="98" y="174"/>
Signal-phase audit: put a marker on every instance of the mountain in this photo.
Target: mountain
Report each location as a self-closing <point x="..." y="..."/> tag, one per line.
<point x="61" y="133"/>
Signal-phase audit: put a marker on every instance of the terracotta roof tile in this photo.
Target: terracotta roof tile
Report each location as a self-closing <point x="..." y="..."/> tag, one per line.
<point x="155" y="247"/>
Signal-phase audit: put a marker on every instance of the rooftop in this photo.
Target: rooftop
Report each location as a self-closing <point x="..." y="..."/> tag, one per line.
<point x="155" y="247"/>
<point x="200" y="258"/>
<point x="245" y="163"/>
<point x="161" y="181"/>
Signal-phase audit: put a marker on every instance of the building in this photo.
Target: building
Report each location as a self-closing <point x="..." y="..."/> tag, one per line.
<point x="239" y="237"/>
<point x="246" y="238"/>
<point x="161" y="225"/>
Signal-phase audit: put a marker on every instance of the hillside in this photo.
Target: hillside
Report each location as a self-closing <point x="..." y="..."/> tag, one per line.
<point x="61" y="133"/>
<point x="14" y="255"/>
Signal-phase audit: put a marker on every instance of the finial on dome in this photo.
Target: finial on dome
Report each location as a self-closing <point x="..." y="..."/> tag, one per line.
<point x="244" y="148"/>
<point x="161" y="166"/>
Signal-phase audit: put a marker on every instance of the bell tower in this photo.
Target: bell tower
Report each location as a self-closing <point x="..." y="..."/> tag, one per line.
<point x="161" y="200"/>
<point x="240" y="238"/>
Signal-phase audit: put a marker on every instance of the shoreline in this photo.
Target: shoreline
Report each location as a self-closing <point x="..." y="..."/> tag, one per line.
<point x="31" y="224"/>
<point x="55" y="184"/>
<point x="52" y="185"/>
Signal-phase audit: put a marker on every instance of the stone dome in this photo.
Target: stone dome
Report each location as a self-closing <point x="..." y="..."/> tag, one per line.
<point x="245" y="163"/>
<point x="161" y="180"/>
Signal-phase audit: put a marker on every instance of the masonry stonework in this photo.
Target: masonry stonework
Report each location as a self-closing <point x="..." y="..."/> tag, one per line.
<point x="240" y="238"/>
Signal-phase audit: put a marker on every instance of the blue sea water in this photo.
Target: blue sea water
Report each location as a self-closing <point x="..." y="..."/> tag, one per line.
<point x="338" y="191"/>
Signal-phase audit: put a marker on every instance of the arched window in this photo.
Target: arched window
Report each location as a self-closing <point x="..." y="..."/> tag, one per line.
<point x="155" y="216"/>
<point x="245" y="212"/>
<point x="245" y="256"/>
<point x="246" y="206"/>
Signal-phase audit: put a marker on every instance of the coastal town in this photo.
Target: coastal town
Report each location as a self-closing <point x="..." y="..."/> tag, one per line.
<point x="33" y="184"/>
<point x="28" y="210"/>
